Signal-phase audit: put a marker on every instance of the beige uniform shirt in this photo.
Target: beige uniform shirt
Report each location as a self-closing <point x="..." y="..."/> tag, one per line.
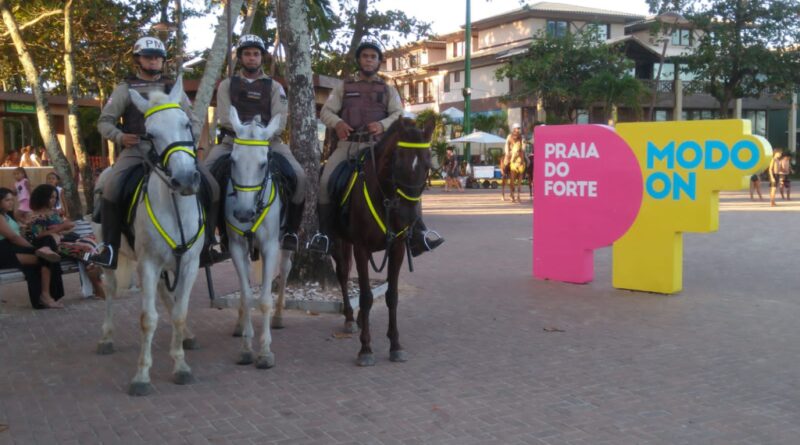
<point x="330" y="111"/>
<point x="278" y="103"/>
<point x="115" y="107"/>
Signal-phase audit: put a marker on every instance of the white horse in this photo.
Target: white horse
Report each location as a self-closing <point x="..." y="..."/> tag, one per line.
<point x="169" y="229"/>
<point x="252" y="217"/>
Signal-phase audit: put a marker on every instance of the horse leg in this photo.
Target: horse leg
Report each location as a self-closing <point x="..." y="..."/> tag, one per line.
<point x="343" y="255"/>
<point x="285" y="263"/>
<point x="189" y="340"/>
<point x="148" y="320"/>
<point x="269" y="251"/>
<point x="396" y="352"/>
<point x="106" y="344"/>
<point x="365" y="355"/>
<point x="244" y="325"/>
<point x="181" y="372"/>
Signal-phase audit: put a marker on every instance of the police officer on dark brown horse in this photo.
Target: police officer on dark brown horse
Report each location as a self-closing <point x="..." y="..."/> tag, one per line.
<point x="149" y="56"/>
<point x="360" y="110"/>
<point x="253" y="94"/>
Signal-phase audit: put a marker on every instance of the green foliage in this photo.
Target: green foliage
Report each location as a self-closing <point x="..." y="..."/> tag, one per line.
<point x="555" y="68"/>
<point x="612" y="90"/>
<point x="744" y="48"/>
<point x="490" y="123"/>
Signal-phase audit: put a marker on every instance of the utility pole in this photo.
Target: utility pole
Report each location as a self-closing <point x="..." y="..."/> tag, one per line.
<point x="467" y="91"/>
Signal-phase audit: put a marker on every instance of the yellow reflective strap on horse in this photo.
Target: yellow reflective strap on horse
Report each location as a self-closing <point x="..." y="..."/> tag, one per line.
<point x="419" y="145"/>
<point x="247" y="189"/>
<point x="251" y="142"/>
<point x="235" y="229"/>
<point x="158" y="108"/>
<point x="406" y="197"/>
<point x="173" y="150"/>
<point x="350" y="185"/>
<point x="266" y="209"/>
<point x="158" y="227"/>
<point x="134" y="200"/>
<point x="372" y="209"/>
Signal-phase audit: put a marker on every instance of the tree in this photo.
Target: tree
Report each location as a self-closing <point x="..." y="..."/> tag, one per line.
<point x="34" y="80"/>
<point x="555" y="68"/>
<point x="292" y="25"/>
<point x="744" y="47"/>
<point x="613" y="91"/>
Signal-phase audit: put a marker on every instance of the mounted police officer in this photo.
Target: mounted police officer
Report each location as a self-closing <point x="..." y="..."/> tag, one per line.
<point x="149" y="56"/>
<point x="253" y="94"/>
<point x="364" y="102"/>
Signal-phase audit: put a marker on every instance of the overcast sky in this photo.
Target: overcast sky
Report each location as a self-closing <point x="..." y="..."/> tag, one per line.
<point x="444" y="15"/>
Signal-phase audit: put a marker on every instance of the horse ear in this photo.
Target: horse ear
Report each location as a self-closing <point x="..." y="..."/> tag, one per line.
<point x="273" y="126"/>
<point x="238" y="128"/>
<point x="139" y="102"/>
<point x="176" y="93"/>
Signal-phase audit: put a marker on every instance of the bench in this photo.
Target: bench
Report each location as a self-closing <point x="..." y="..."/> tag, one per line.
<point x="68" y="265"/>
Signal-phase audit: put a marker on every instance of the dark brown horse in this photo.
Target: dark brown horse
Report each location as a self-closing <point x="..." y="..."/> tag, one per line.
<point x="384" y="206"/>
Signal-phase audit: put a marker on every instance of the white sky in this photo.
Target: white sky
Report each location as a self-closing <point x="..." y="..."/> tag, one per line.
<point x="444" y="15"/>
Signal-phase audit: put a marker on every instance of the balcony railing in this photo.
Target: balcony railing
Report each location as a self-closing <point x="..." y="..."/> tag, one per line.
<point x="668" y="86"/>
<point x="413" y="100"/>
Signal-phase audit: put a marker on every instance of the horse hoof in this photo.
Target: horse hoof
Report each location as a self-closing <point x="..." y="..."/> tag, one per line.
<point x="398" y="356"/>
<point x="237" y="332"/>
<point x="366" y="359"/>
<point x="183" y="377"/>
<point x="140" y="389"/>
<point x="265" y="361"/>
<point x="276" y="323"/>
<point x="245" y="358"/>
<point x="190" y="343"/>
<point x="105" y="348"/>
<point x="350" y="328"/>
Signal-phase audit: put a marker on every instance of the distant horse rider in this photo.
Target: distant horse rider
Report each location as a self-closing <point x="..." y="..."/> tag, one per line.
<point x="252" y="93"/>
<point x="149" y="56"/>
<point x="362" y="102"/>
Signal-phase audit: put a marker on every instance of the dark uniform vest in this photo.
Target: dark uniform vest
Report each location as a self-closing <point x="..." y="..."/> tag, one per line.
<point x="132" y="118"/>
<point x="252" y="98"/>
<point x="364" y="102"/>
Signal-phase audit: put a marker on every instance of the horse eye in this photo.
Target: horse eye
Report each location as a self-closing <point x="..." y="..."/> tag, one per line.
<point x="262" y="165"/>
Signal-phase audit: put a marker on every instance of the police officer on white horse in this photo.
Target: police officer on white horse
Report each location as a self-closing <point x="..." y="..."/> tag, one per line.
<point x="253" y="93"/>
<point x="149" y="56"/>
<point x="364" y="102"/>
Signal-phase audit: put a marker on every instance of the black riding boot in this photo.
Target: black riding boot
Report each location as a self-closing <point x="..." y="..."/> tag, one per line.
<point x="294" y="218"/>
<point x="321" y="241"/>
<point x="209" y="255"/>
<point x="420" y="243"/>
<point x="111" y="221"/>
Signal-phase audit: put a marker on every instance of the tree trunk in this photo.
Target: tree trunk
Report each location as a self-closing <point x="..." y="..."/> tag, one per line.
<point x="57" y="158"/>
<point x="359" y="31"/>
<point x="84" y="167"/>
<point x="252" y="5"/>
<point x="179" y="38"/>
<point x="293" y="26"/>
<point x="216" y="58"/>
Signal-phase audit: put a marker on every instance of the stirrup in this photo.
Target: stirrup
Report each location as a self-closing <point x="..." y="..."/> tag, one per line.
<point x="290" y="241"/>
<point x="104" y="257"/>
<point x="316" y="243"/>
<point x="435" y="242"/>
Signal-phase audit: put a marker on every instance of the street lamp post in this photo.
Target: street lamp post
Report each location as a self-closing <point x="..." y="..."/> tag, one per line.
<point x="467" y="91"/>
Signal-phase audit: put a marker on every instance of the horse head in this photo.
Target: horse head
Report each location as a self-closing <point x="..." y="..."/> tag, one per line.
<point x="406" y="158"/>
<point x="250" y="164"/>
<point x="169" y="131"/>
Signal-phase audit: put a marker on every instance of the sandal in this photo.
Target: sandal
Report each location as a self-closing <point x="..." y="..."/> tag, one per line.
<point x="48" y="255"/>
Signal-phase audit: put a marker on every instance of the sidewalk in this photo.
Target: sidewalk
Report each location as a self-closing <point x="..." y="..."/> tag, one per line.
<point x="495" y="357"/>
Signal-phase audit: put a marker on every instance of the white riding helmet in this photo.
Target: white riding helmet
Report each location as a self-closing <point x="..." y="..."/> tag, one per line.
<point x="149" y="46"/>
<point x="250" y="41"/>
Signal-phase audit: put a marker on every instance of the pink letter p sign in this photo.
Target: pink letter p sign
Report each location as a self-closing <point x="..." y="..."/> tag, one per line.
<point x="588" y="193"/>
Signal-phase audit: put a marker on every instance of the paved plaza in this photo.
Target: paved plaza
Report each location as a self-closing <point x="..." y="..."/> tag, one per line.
<point x="495" y="356"/>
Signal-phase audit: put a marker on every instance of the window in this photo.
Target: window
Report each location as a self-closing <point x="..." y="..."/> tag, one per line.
<point x="456" y="76"/>
<point x="681" y="37"/>
<point x="458" y="49"/>
<point x="758" y="119"/>
<point x="557" y="28"/>
<point x="447" y="83"/>
<point x="602" y="31"/>
<point x="413" y="60"/>
<point x="661" y="115"/>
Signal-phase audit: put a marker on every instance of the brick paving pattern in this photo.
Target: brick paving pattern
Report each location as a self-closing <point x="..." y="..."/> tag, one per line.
<point x="715" y="364"/>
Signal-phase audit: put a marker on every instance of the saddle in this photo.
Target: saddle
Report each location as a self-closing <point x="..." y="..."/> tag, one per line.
<point x="340" y="186"/>
<point x="282" y="175"/>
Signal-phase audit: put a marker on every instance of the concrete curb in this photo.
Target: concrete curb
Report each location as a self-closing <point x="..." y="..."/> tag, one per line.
<point x="231" y="300"/>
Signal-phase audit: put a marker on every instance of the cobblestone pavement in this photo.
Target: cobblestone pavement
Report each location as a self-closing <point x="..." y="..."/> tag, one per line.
<point x="496" y="357"/>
